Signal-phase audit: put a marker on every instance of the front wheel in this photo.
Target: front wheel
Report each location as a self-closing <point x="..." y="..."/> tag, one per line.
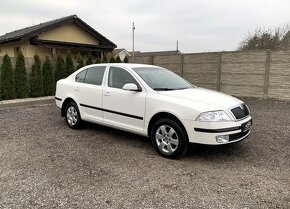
<point x="72" y="115"/>
<point x="169" y="138"/>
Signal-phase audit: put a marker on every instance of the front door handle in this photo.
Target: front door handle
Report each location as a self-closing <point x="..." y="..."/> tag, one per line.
<point x="77" y="89"/>
<point x="107" y="94"/>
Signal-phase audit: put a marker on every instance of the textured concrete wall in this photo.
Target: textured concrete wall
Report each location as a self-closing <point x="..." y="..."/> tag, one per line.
<point x="202" y="69"/>
<point x="142" y="60"/>
<point x="242" y="73"/>
<point x="262" y="74"/>
<point x="171" y="62"/>
<point x="279" y="75"/>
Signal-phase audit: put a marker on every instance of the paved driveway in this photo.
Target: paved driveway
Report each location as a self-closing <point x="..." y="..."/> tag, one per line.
<point x="44" y="164"/>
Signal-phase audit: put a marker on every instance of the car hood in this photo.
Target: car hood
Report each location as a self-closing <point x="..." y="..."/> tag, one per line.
<point x="204" y="96"/>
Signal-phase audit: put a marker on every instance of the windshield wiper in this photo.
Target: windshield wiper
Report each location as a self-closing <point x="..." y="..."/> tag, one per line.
<point x="163" y="89"/>
<point x="168" y="89"/>
<point x="182" y="88"/>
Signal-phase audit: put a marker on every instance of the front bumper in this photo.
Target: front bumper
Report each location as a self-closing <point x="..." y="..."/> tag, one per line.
<point x="216" y="133"/>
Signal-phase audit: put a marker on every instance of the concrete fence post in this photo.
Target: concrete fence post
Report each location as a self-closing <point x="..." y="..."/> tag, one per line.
<point x="267" y="71"/>
<point x="151" y="60"/>
<point x="219" y="71"/>
<point x="181" y="65"/>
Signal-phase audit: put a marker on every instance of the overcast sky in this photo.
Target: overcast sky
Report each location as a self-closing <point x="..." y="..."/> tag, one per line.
<point x="199" y="25"/>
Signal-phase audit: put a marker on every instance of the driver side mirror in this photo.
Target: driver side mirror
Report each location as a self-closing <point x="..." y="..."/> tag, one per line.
<point x="131" y="87"/>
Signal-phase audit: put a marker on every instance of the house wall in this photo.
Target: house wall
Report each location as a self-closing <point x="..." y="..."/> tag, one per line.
<point x="28" y="50"/>
<point x="122" y="55"/>
<point x="66" y="33"/>
<point x="9" y="48"/>
<point x="69" y="33"/>
<point x="260" y="74"/>
<point x="41" y="51"/>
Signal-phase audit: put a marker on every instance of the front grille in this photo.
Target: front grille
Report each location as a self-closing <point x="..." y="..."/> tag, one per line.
<point x="234" y="137"/>
<point x="240" y="112"/>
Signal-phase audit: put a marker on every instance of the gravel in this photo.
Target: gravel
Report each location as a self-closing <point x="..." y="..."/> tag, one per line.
<point x="44" y="164"/>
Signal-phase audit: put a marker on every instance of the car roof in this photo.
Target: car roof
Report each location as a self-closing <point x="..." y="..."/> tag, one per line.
<point x="129" y="65"/>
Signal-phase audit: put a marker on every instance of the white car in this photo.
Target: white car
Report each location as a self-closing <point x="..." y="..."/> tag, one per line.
<point x="154" y="102"/>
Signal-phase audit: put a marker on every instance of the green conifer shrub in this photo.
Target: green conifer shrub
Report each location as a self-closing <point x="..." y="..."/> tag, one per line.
<point x="69" y="65"/>
<point x="98" y="60"/>
<point x="126" y="60"/>
<point x="90" y="59"/>
<point x="7" y="84"/>
<point x="36" y="78"/>
<point x="48" y="78"/>
<point x="80" y="61"/>
<point x="104" y="60"/>
<point x="113" y="60"/>
<point x="60" y="71"/>
<point x="118" y="59"/>
<point x="21" y="82"/>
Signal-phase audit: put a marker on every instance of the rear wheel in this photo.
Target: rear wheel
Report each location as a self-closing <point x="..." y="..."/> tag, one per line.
<point x="72" y="115"/>
<point x="169" y="138"/>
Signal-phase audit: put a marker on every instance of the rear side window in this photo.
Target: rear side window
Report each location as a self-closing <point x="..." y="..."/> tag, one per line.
<point x="93" y="75"/>
<point x="80" y="77"/>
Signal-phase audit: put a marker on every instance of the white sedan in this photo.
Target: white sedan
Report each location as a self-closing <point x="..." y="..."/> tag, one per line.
<point x="154" y="102"/>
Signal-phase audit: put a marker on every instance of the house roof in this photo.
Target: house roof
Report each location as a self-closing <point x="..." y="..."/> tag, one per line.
<point x="34" y="31"/>
<point x="117" y="51"/>
<point x="156" y="53"/>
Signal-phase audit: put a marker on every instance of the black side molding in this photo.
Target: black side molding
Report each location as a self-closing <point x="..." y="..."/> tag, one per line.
<point x="114" y="112"/>
<point x="59" y="99"/>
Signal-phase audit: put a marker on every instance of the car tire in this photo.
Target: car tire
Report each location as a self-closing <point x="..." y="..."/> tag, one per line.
<point x="72" y="115"/>
<point x="169" y="138"/>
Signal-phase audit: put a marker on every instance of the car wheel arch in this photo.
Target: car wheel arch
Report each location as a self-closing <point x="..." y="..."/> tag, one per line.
<point x="161" y="115"/>
<point x="64" y="104"/>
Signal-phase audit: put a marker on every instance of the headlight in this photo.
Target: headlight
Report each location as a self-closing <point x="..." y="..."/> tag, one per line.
<point x="214" y="116"/>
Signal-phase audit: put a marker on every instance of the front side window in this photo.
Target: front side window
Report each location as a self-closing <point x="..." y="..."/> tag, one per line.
<point x="118" y="77"/>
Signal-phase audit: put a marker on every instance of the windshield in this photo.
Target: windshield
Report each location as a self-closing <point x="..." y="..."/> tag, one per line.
<point x="161" y="79"/>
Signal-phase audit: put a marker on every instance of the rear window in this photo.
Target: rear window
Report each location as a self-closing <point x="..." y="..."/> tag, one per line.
<point x="93" y="75"/>
<point x="80" y="77"/>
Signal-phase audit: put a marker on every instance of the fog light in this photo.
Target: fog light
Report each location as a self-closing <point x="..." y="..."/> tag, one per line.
<point x="222" y="139"/>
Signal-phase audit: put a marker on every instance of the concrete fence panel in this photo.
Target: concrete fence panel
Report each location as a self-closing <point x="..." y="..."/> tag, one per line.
<point x="243" y="73"/>
<point x="262" y="74"/>
<point x="279" y="75"/>
<point x="142" y="60"/>
<point x="202" y="69"/>
<point x="171" y="62"/>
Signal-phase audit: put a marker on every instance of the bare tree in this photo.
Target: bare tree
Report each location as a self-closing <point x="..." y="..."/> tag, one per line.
<point x="263" y="38"/>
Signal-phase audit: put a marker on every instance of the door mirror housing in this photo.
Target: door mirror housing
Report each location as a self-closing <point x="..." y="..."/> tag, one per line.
<point x="131" y="87"/>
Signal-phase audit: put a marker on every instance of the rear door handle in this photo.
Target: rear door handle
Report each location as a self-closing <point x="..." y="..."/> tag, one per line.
<point x="107" y="94"/>
<point x="77" y="89"/>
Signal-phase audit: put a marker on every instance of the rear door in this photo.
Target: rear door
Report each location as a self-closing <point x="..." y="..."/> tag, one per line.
<point x="89" y="91"/>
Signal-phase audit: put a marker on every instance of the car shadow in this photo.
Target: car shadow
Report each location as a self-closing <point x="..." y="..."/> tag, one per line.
<point x="116" y="133"/>
<point x="218" y="152"/>
<point x="195" y="151"/>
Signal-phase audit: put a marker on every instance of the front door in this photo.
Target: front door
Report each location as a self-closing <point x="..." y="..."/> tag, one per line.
<point x="123" y="108"/>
